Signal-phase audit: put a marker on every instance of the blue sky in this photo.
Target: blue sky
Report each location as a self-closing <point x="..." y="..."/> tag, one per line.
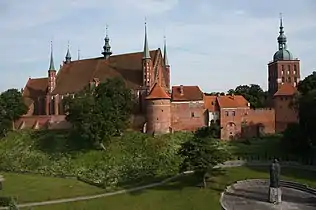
<point x="211" y="43"/>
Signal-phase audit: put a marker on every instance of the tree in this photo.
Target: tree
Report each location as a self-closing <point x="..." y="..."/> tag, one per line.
<point x="308" y="84"/>
<point x="252" y="93"/>
<point x="99" y="113"/>
<point x="12" y="108"/>
<point x="201" y="155"/>
<point x="307" y="116"/>
<point x="212" y="131"/>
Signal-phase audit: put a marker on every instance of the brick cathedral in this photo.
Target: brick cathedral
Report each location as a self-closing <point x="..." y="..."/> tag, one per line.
<point x="162" y="108"/>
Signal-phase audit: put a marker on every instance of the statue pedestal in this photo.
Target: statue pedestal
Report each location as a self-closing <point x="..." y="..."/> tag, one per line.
<point x="275" y="195"/>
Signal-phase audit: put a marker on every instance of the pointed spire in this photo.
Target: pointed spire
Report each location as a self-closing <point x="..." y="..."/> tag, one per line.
<point x="51" y="63"/>
<point x="107" y="47"/>
<point x="78" y="54"/>
<point x="165" y="57"/>
<point x="68" y="56"/>
<point x="146" y="49"/>
<point x="281" y="38"/>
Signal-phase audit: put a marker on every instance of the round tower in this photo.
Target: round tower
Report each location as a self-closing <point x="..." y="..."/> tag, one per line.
<point x="158" y="112"/>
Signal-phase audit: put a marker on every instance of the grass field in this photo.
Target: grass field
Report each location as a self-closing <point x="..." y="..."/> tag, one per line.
<point x="183" y="194"/>
<point x="28" y="188"/>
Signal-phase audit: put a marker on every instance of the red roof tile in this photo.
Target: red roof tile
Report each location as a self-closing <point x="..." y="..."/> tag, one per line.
<point x="235" y="101"/>
<point x="186" y="93"/>
<point x="210" y="102"/>
<point x="157" y="92"/>
<point x="74" y="76"/>
<point x="33" y="89"/>
<point x="286" y="90"/>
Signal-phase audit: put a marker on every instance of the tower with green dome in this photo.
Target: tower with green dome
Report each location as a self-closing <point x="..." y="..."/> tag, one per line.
<point x="283" y="68"/>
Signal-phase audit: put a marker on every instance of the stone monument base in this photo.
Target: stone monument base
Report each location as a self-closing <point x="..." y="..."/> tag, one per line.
<point x="275" y="195"/>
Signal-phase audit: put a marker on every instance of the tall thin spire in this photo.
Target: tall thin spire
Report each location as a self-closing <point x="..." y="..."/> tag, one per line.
<point x="281" y="38"/>
<point x="107" y="47"/>
<point x="165" y="57"/>
<point x="68" y="56"/>
<point x="78" y="53"/>
<point x="51" y="63"/>
<point x="146" y="48"/>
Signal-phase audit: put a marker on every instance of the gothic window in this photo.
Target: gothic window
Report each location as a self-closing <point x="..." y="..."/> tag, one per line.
<point x="289" y="79"/>
<point x="295" y="69"/>
<point x="233" y="113"/>
<point x="282" y="68"/>
<point x="283" y="79"/>
<point x="227" y="114"/>
<point x="192" y="114"/>
<point x="282" y="72"/>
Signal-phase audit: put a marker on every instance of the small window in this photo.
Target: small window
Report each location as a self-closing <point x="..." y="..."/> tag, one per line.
<point x="157" y="118"/>
<point x="288" y="72"/>
<point x="289" y="79"/>
<point x="283" y="68"/>
<point x="162" y="110"/>
<point x="227" y="114"/>
<point x="283" y="79"/>
<point x="192" y="114"/>
<point x="212" y="103"/>
<point x="282" y="72"/>
<point x="233" y="113"/>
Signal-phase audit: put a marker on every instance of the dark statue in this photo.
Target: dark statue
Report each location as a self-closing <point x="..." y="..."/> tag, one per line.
<point x="275" y="171"/>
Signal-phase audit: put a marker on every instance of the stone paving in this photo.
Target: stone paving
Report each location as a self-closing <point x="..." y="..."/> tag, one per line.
<point x="253" y="195"/>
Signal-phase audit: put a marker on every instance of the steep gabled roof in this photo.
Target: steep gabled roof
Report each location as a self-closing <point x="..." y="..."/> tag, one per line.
<point x="190" y="93"/>
<point x="157" y="92"/>
<point x="33" y="89"/>
<point x="74" y="76"/>
<point x="286" y="90"/>
<point x="235" y="101"/>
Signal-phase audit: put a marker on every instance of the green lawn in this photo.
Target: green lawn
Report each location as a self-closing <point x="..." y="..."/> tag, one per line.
<point x="28" y="188"/>
<point x="183" y="193"/>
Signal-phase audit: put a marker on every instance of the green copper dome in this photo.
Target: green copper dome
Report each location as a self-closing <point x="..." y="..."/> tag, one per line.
<point x="282" y="55"/>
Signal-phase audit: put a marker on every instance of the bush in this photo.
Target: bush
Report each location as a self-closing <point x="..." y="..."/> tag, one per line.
<point x="131" y="158"/>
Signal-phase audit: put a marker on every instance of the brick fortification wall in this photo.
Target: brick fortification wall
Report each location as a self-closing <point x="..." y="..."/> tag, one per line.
<point x="188" y="116"/>
<point x="260" y="122"/>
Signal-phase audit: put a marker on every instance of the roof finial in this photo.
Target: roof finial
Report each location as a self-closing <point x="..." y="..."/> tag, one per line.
<point x="51" y="63"/>
<point x="107" y="47"/>
<point x="106" y="30"/>
<point x="282" y="38"/>
<point x="78" y="53"/>
<point x="146" y="54"/>
<point x="68" y="56"/>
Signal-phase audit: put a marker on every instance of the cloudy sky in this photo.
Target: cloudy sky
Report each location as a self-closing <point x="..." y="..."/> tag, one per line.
<point x="211" y="43"/>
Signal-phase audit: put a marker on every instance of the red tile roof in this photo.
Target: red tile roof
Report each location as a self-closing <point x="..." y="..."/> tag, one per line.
<point x="190" y="93"/>
<point x="210" y="102"/>
<point x="33" y="89"/>
<point x="235" y="101"/>
<point x="74" y="76"/>
<point x="157" y="92"/>
<point x="286" y="90"/>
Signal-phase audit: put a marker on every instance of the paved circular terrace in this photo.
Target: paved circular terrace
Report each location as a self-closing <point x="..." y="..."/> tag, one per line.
<point x="253" y="195"/>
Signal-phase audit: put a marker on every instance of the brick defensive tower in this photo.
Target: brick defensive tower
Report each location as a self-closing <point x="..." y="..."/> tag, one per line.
<point x="158" y="111"/>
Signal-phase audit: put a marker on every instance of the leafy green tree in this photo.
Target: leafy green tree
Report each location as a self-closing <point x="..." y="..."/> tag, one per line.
<point x="201" y="155"/>
<point x="212" y="131"/>
<point x="252" y="93"/>
<point x="99" y="113"/>
<point x="12" y="108"/>
<point x="308" y="84"/>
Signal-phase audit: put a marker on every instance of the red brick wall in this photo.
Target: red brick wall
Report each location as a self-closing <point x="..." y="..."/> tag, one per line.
<point x="284" y="113"/>
<point x="246" y="122"/>
<point x="158" y="116"/>
<point x="56" y="121"/>
<point x="188" y="115"/>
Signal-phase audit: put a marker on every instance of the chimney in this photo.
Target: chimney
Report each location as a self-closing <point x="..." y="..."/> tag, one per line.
<point x="181" y="90"/>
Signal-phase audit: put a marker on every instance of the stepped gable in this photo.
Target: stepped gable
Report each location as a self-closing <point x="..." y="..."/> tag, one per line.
<point x="74" y="76"/>
<point x="157" y="92"/>
<point x="286" y="90"/>
<point x="33" y="89"/>
<point x="186" y="93"/>
<point x="232" y="101"/>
